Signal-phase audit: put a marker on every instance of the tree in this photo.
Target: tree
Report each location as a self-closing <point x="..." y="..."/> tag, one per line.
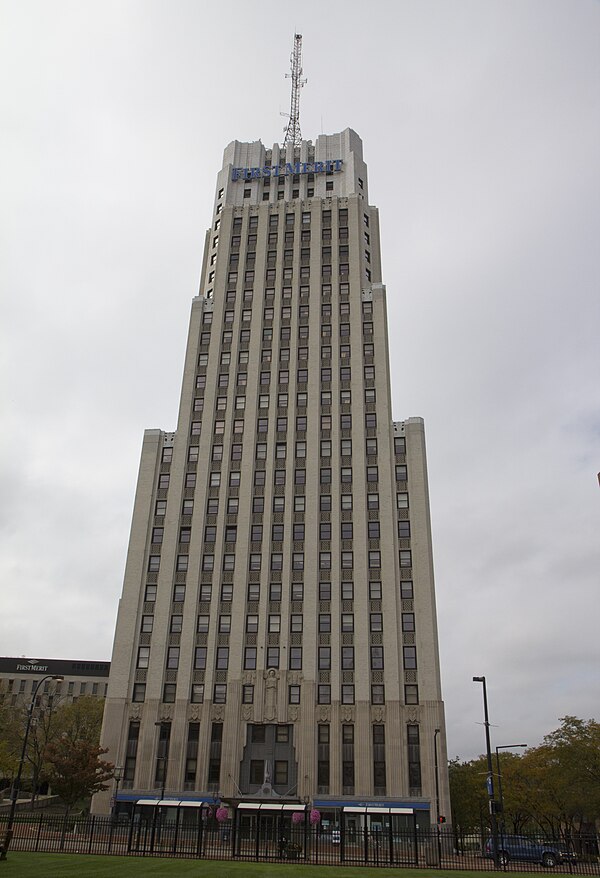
<point x="81" y="720"/>
<point x="76" y="770"/>
<point x="553" y="788"/>
<point x="468" y="795"/>
<point x="562" y="777"/>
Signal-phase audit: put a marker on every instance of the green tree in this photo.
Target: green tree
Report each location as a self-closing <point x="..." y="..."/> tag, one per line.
<point x="81" y="720"/>
<point x="553" y="788"/>
<point x="468" y="796"/>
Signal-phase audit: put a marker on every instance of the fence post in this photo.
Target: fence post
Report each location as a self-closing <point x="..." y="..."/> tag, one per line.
<point x="39" y="832"/>
<point x="416" y="840"/>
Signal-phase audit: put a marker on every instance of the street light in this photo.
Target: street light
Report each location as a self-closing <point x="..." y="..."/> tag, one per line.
<point x="17" y="783"/>
<point x="490" y="767"/>
<point x="118" y="776"/>
<point x="437" y="794"/>
<point x="164" y="758"/>
<point x="503" y="747"/>
<point x="437" y="776"/>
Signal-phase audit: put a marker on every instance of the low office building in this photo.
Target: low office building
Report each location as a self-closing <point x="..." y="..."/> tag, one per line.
<point x="20" y="676"/>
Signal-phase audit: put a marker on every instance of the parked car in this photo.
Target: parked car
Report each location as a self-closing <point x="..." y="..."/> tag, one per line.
<point x="519" y="847"/>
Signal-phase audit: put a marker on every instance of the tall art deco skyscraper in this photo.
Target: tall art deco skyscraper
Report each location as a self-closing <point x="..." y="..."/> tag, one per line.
<point x="276" y="636"/>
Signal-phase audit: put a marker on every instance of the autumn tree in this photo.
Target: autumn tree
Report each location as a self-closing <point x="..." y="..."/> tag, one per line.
<point x="76" y="770"/>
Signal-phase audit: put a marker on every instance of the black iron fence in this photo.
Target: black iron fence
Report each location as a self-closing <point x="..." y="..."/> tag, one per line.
<point x="150" y="835"/>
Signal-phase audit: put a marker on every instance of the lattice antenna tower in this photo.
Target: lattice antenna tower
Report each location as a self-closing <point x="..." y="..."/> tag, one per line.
<point x="292" y="129"/>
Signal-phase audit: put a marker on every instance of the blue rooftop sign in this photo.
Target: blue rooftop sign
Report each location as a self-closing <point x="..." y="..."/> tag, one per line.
<point x="287" y="170"/>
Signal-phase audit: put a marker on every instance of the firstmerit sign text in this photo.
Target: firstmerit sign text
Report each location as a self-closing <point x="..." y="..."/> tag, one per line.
<point x="328" y="167"/>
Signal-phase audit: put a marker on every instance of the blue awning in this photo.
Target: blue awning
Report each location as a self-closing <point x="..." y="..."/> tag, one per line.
<point x="406" y="807"/>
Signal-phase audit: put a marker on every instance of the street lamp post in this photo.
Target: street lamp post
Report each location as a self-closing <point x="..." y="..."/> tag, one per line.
<point x="164" y="758"/>
<point x="118" y="776"/>
<point x="490" y="767"/>
<point x="437" y="776"/>
<point x="500" y="795"/>
<point x="17" y="782"/>
<point x="437" y="793"/>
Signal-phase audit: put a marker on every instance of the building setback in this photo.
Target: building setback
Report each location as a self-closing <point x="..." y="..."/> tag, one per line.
<point x="277" y="631"/>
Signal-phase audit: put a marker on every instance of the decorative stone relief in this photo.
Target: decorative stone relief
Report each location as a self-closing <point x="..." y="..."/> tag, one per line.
<point x="135" y="712"/>
<point x="412" y="715"/>
<point x="324" y="715"/>
<point x="293" y="713"/>
<point x="270" y="711"/>
<point x="218" y="713"/>
<point x="166" y="715"/>
<point x="378" y="714"/>
<point x="194" y="713"/>
<point x="247" y="712"/>
<point x="347" y="714"/>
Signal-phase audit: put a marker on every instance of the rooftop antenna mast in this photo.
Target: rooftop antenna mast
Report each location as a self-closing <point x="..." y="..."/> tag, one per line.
<point x="292" y="130"/>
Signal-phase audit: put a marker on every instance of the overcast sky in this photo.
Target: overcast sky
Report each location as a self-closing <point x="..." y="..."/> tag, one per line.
<point x="481" y="128"/>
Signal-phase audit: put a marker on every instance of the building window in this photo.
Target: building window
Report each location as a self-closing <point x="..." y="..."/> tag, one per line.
<point x="408" y="621"/>
<point x="169" y="691"/>
<point x="376" y="658"/>
<point x="411" y="694"/>
<point x="200" y="657"/>
<point x="197" y="693"/>
<point x="293" y="694"/>
<point x="173" y="658"/>
<point x="410" y="657"/>
<point x="273" y="657"/>
<point x="324" y="658"/>
<point x="347" y="760"/>
<point x="404" y="529"/>
<point x="250" y="659"/>
<point x="375" y="591"/>
<point x="296" y="622"/>
<point x="376" y="622"/>
<point x="143" y="657"/>
<point x="214" y="764"/>
<point x="324" y="694"/>
<point x="374" y="560"/>
<point x="281" y="772"/>
<point x="347" y="622"/>
<point x="379" y="769"/>
<point x="323" y="758"/>
<point x="406" y="558"/>
<point x="348" y="658"/>
<point x="406" y="590"/>
<point x="414" y="760"/>
<point x="347" y="694"/>
<point x="220" y="693"/>
<point x="295" y="658"/>
<point x="257" y="771"/>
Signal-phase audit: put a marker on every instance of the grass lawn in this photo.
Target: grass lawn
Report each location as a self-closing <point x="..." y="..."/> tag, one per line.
<point x="26" y="865"/>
